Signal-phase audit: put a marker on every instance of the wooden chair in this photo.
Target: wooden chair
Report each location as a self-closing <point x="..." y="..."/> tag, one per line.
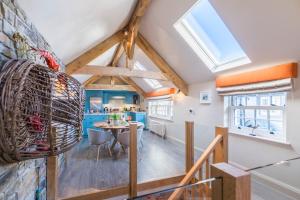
<point x="100" y="138"/>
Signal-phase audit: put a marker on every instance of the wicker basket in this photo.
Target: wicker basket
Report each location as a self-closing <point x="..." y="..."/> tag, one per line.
<point x="41" y="111"/>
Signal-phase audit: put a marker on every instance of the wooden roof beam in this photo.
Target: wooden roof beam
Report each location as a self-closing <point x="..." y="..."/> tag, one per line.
<point x="91" y="80"/>
<point x="117" y="55"/>
<point x="94" y="52"/>
<point x="138" y="89"/>
<point x="120" y="71"/>
<point x="134" y="25"/>
<point x="110" y="87"/>
<point x="162" y="64"/>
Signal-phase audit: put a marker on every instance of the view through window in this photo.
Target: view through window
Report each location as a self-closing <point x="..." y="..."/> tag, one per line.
<point x="258" y="114"/>
<point x="154" y="84"/>
<point x="206" y="33"/>
<point x="161" y="108"/>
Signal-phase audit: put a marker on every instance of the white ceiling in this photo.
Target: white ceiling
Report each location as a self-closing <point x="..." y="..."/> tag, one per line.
<point x="102" y="60"/>
<point x="73" y="26"/>
<point x="268" y="30"/>
<point x="149" y="65"/>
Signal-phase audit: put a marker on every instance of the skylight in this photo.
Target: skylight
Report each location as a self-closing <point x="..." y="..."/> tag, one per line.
<point x="154" y="84"/>
<point x="208" y="36"/>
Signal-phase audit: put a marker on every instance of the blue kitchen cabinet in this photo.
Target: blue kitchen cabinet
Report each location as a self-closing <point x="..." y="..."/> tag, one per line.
<point x="129" y="98"/>
<point x="90" y="119"/>
<point x="139" y="117"/>
<point x="88" y="95"/>
<point x="107" y="95"/>
<point x="105" y="99"/>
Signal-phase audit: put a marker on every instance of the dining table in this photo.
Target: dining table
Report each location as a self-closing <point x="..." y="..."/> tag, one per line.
<point x="115" y="129"/>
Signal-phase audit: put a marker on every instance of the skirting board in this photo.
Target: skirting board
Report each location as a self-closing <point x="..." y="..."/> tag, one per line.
<point x="266" y="181"/>
<point x="182" y="142"/>
<point x="274" y="184"/>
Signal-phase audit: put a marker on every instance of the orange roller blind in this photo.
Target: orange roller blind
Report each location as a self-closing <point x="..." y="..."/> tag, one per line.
<point x="278" y="72"/>
<point x="161" y="92"/>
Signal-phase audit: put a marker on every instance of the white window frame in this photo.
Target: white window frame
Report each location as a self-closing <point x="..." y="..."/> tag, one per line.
<point x="154" y="84"/>
<point x="261" y="133"/>
<point x="201" y="49"/>
<point x="169" y="109"/>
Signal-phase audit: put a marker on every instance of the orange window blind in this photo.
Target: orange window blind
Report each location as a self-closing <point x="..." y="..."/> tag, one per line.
<point x="278" y="72"/>
<point x="161" y="92"/>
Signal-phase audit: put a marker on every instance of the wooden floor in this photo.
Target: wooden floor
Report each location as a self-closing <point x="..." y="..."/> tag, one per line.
<point x="158" y="158"/>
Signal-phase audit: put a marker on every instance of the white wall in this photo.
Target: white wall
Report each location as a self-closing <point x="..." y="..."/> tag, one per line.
<point x="205" y="116"/>
<point x="244" y="151"/>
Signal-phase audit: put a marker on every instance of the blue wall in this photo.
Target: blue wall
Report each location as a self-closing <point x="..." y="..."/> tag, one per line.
<point x="106" y="95"/>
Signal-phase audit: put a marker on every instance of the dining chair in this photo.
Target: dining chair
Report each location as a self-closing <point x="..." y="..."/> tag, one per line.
<point x="100" y="138"/>
<point x="140" y="132"/>
<point x="124" y="138"/>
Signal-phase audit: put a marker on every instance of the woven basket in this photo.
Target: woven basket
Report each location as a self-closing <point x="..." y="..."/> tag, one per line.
<point x="41" y="111"/>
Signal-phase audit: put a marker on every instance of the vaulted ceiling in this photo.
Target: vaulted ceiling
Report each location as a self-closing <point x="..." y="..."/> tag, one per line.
<point x="268" y="31"/>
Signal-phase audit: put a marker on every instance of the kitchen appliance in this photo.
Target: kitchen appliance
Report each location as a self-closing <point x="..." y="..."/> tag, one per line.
<point x="135" y="99"/>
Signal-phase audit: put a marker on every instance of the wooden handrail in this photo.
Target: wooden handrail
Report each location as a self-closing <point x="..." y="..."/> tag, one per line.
<point x="190" y="175"/>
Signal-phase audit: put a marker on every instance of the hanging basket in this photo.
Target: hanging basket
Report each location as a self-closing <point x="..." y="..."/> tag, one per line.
<point x="41" y="111"/>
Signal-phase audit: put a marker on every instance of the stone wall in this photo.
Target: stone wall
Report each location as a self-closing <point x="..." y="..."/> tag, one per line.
<point x="20" y="181"/>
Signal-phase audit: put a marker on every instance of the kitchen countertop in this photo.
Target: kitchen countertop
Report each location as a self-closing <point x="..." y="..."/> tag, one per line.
<point x="95" y="113"/>
<point x="113" y="113"/>
<point x="102" y="113"/>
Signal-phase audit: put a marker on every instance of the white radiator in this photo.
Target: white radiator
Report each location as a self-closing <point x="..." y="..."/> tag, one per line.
<point x="157" y="127"/>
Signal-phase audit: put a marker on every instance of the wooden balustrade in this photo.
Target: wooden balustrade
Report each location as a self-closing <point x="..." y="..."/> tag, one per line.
<point x="52" y="177"/>
<point x="233" y="185"/>
<point x="221" y="150"/>
<point x="133" y="160"/>
<point x="189" y="150"/>
<point x="218" y="150"/>
<point x="189" y="146"/>
<point x="203" y="169"/>
<point x="133" y="187"/>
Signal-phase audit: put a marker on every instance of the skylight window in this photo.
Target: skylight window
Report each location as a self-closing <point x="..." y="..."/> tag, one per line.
<point x="208" y="36"/>
<point x="154" y="84"/>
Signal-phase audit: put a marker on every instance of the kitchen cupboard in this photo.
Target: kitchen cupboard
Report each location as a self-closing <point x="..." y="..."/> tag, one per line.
<point x="90" y="119"/>
<point x="129" y="97"/>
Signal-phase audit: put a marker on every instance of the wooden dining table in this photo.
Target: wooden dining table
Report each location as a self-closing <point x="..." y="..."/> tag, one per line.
<point x="115" y="129"/>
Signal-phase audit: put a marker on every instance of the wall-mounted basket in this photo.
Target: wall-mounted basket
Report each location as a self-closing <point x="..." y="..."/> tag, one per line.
<point x="41" y="111"/>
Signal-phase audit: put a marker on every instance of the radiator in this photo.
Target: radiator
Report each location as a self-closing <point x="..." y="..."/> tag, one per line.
<point x="157" y="127"/>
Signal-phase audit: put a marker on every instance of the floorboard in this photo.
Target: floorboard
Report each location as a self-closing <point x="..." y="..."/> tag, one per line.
<point x="159" y="158"/>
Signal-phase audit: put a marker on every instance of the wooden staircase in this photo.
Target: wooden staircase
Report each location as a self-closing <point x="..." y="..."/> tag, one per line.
<point x="216" y="152"/>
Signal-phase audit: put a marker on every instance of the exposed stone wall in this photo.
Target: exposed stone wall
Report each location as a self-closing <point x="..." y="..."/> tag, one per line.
<point x="20" y="181"/>
<point x="13" y="19"/>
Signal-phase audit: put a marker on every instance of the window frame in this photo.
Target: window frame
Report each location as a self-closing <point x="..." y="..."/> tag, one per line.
<point x="202" y="49"/>
<point x="153" y="83"/>
<point x="262" y="133"/>
<point x="169" y="109"/>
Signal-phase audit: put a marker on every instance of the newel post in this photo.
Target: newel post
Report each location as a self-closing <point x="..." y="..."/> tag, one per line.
<point x="52" y="175"/>
<point x="189" y="145"/>
<point x="234" y="183"/>
<point x="133" y="160"/>
<point x="221" y="150"/>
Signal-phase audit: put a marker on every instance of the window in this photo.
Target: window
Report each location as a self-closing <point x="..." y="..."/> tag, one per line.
<point x="204" y="30"/>
<point x="162" y="108"/>
<point x="258" y="115"/>
<point x="154" y="84"/>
